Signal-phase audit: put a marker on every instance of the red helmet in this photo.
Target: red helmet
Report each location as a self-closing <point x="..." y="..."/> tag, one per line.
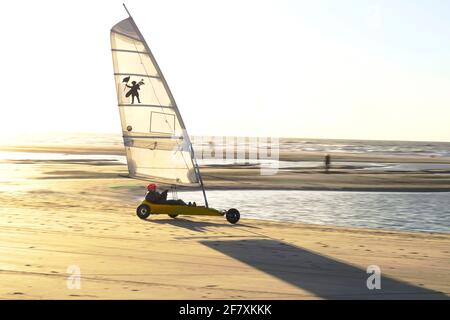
<point x="151" y="187"/>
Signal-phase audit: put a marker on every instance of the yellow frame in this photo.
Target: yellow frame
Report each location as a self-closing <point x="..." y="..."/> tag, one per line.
<point x="171" y="209"/>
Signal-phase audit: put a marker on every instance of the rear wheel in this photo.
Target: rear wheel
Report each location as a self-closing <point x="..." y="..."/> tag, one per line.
<point x="143" y="211"/>
<point x="233" y="216"/>
<point x="173" y="216"/>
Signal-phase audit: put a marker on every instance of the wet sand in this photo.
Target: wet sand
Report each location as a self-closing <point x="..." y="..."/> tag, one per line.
<point x="58" y="214"/>
<point x="339" y="178"/>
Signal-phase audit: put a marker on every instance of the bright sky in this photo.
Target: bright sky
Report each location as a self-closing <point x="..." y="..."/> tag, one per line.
<point x="360" y="69"/>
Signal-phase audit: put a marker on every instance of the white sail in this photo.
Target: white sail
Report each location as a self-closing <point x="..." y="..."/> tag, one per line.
<point x="157" y="145"/>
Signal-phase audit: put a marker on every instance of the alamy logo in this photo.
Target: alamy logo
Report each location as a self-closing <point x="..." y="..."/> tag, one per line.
<point x="240" y="150"/>
<point x="74" y="278"/>
<point x="374" y="280"/>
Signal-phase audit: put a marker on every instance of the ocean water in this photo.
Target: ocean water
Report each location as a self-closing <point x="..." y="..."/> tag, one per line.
<point x="367" y="147"/>
<point x="406" y="148"/>
<point x="418" y="211"/>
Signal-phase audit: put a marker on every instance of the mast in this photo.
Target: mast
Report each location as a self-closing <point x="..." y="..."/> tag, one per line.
<point x="152" y="58"/>
<point x="128" y="12"/>
<point x="197" y="169"/>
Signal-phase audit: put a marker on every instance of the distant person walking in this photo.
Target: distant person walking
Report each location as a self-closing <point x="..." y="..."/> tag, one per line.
<point x="327" y="163"/>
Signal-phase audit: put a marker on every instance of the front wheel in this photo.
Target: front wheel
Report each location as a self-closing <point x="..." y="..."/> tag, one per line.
<point x="173" y="216"/>
<point x="233" y="216"/>
<point x="143" y="211"/>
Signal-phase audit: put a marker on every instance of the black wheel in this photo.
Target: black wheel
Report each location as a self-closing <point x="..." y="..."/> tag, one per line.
<point x="143" y="211"/>
<point x="173" y="216"/>
<point x="233" y="216"/>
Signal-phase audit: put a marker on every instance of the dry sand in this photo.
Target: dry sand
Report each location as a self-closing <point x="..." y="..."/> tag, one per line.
<point x="57" y="214"/>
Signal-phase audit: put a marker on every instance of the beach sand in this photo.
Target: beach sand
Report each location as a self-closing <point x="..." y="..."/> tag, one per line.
<point x="56" y="216"/>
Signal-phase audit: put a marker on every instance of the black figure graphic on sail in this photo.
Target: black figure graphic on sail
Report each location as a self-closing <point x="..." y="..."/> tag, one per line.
<point x="134" y="89"/>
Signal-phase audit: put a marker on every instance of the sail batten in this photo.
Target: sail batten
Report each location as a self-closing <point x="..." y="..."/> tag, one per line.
<point x="136" y="75"/>
<point x="155" y="139"/>
<point x="132" y="51"/>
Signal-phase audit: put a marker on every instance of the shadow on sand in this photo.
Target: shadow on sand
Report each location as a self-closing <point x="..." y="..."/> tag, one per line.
<point x="323" y="276"/>
<point x="197" y="226"/>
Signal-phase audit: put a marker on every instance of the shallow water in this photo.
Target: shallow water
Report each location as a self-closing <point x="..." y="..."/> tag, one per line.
<point x="357" y="165"/>
<point x="418" y="211"/>
<point x="404" y="211"/>
<point x="46" y="156"/>
<point x="286" y="165"/>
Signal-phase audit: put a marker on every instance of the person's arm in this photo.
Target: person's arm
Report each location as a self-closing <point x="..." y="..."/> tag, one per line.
<point x="164" y="195"/>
